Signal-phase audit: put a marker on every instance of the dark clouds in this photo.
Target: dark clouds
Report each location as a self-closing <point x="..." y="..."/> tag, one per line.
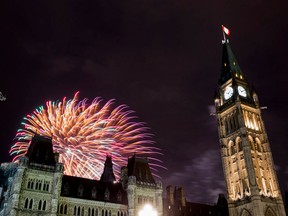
<point x="162" y="58"/>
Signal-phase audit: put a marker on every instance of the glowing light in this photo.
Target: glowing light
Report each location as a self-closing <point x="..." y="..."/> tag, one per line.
<point x="147" y="210"/>
<point x="84" y="134"/>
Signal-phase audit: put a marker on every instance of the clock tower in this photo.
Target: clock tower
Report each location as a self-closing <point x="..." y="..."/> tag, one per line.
<point x="251" y="181"/>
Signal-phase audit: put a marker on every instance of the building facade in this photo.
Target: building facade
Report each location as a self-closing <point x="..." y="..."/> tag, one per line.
<point x="37" y="186"/>
<point x="251" y="181"/>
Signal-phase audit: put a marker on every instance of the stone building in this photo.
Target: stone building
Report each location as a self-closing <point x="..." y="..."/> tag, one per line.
<point x="252" y="185"/>
<point x="175" y="204"/>
<point x="37" y="186"/>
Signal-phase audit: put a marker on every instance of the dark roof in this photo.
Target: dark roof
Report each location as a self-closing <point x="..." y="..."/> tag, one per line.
<point x="71" y="185"/>
<point x="230" y="66"/>
<point x="139" y="168"/>
<point x="41" y="151"/>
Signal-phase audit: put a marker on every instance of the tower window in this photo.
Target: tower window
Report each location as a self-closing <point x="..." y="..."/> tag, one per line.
<point x="107" y="194"/>
<point x="31" y="204"/>
<point x="80" y="191"/>
<point x="94" y="193"/>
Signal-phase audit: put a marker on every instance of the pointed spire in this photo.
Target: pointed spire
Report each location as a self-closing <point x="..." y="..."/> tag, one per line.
<point x="108" y="174"/>
<point x="230" y="66"/>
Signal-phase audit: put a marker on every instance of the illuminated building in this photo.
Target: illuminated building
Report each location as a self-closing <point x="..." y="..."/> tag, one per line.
<point x="37" y="186"/>
<point x="251" y="181"/>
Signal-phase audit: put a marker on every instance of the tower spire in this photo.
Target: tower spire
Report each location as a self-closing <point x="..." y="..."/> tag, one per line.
<point x="251" y="181"/>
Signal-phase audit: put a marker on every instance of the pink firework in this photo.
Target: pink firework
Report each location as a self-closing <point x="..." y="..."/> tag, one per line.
<point x="84" y="134"/>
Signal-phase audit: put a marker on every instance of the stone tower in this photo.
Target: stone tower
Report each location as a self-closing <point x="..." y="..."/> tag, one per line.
<point x="141" y="187"/>
<point x="251" y="181"/>
<point x="35" y="187"/>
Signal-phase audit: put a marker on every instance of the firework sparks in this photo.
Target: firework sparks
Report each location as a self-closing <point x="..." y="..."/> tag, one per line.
<point x="84" y="134"/>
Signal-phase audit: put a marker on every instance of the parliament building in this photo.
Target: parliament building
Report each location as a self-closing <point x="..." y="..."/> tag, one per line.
<point x="36" y="185"/>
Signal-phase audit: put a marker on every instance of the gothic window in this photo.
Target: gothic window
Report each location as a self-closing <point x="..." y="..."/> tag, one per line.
<point x="31" y="204"/>
<point x="80" y="191"/>
<point x="75" y="211"/>
<point x="26" y="203"/>
<point x="226" y="125"/>
<point x="66" y="189"/>
<point x="245" y="213"/>
<point x="231" y="148"/>
<point x="92" y="212"/>
<point x="119" y="196"/>
<point x="78" y="211"/>
<point x="258" y="144"/>
<point x="106" y="213"/>
<point x="61" y="209"/>
<point x="102" y="213"/>
<point x="36" y="185"/>
<point x="107" y="194"/>
<point x="239" y="144"/>
<point x="32" y="184"/>
<point x="44" y="205"/>
<point x="29" y="184"/>
<point x="40" y="184"/>
<point x="40" y="205"/>
<point x="89" y="211"/>
<point x="65" y="209"/>
<point x="82" y="212"/>
<point x="94" y="193"/>
<point x="47" y="185"/>
<point x="269" y="212"/>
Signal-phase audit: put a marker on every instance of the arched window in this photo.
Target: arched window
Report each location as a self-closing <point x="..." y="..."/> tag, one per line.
<point x="258" y="144"/>
<point x="66" y="189"/>
<point x="82" y="212"/>
<point x="29" y="184"/>
<point x="251" y="141"/>
<point x="75" y="211"/>
<point x="92" y="212"/>
<point x="107" y="194"/>
<point x="32" y="184"/>
<point x="40" y="184"/>
<point x="40" y="205"/>
<point x="78" y="212"/>
<point x="102" y="212"/>
<point x="94" y="193"/>
<point x="106" y="213"/>
<point x="61" y="209"/>
<point x="36" y="185"/>
<point x="119" y="196"/>
<point x="89" y="212"/>
<point x="31" y="204"/>
<point x="231" y="148"/>
<point x="239" y="144"/>
<point x="26" y="203"/>
<point x="44" y="205"/>
<point x="65" y="209"/>
<point x="80" y="191"/>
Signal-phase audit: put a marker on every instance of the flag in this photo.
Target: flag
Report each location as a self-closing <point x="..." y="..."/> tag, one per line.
<point x="225" y="30"/>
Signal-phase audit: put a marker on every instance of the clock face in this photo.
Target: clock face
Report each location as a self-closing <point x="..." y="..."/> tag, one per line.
<point x="242" y="92"/>
<point x="228" y="92"/>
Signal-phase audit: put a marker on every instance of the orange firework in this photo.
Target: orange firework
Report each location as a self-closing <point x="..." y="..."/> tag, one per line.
<point x="84" y="134"/>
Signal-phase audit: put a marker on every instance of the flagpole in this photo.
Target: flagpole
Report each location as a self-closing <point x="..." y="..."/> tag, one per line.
<point x="224" y="36"/>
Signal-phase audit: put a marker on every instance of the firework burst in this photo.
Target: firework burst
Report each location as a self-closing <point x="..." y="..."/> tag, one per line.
<point x="83" y="134"/>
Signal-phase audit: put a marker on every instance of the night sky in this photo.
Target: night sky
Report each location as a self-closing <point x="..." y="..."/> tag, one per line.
<point x="160" y="57"/>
